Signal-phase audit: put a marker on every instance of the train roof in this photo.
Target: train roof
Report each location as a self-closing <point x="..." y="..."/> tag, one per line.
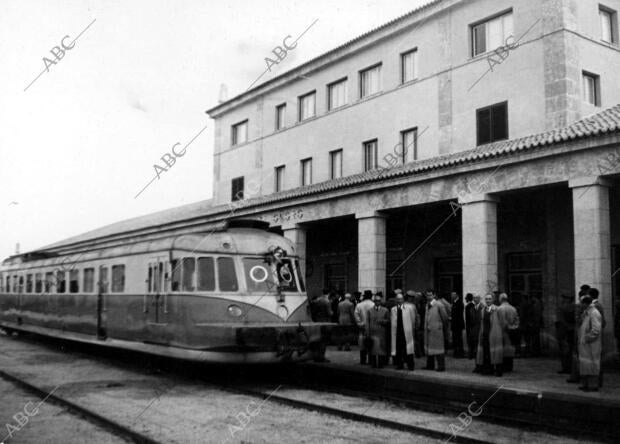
<point x="234" y="237"/>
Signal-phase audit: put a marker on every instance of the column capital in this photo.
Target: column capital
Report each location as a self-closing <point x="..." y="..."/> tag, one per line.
<point x="367" y="214"/>
<point x="588" y="181"/>
<point x="292" y="226"/>
<point x="475" y="198"/>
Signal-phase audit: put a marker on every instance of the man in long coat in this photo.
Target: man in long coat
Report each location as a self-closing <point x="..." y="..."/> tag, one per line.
<point x="361" y="314"/>
<point x="404" y="322"/>
<point x="435" y="323"/>
<point x="457" y="324"/>
<point x="590" y="346"/>
<point x="346" y="317"/>
<point x="376" y="331"/>
<point x="490" y="356"/>
<point x="420" y="305"/>
<point x="471" y="325"/>
<point x="509" y="320"/>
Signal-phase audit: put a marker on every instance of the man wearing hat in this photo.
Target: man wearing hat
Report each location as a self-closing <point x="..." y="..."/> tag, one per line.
<point x="361" y="315"/>
<point x="404" y="322"/>
<point x="565" y="330"/>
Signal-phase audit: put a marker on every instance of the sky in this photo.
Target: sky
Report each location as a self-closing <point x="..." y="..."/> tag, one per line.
<point x="80" y="132"/>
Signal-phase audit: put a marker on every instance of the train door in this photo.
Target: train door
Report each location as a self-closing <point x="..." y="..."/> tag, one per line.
<point x="103" y="285"/>
<point x="156" y="297"/>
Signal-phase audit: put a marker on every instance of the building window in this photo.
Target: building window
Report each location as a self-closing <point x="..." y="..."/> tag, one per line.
<point x="237" y="189"/>
<point x="306" y="172"/>
<point x="279" y="177"/>
<point x="409" y="66"/>
<point x="370" y="155"/>
<point x="118" y="278"/>
<point x="307" y="106"/>
<point x="337" y="94"/>
<point x="609" y="25"/>
<point x="280" y="114"/>
<point x="491" y="34"/>
<point x="370" y="81"/>
<point x="492" y="123"/>
<point x="240" y="133"/>
<point x="409" y="141"/>
<point x="335" y="164"/>
<point x="591" y="89"/>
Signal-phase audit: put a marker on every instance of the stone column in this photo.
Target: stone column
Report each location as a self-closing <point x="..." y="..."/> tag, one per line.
<point x="591" y="220"/>
<point x="371" y="251"/>
<point x="479" y="237"/>
<point x="297" y="234"/>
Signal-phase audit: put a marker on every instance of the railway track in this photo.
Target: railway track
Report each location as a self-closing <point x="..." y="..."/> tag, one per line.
<point x="316" y="398"/>
<point x="91" y="416"/>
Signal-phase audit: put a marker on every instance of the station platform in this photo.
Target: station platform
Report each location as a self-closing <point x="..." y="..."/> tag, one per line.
<point x="534" y="394"/>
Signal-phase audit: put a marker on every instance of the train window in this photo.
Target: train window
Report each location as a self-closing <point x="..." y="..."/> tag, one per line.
<point x="206" y="274"/>
<point x="89" y="280"/>
<point x="175" y="282"/>
<point x="38" y="284"/>
<point x="7" y="287"/>
<point x="189" y="269"/>
<point x="60" y="282"/>
<point x="226" y="274"/>
<point x="15" y="284"/>
<point x="103" y="280"/>
<point x="20" y="288"/>
<point x="118" y="278"/>
<point x="74" y="281"/>
<point x="29" y="283"/>
<point x="49" y="281"/>
<point x="1" y="284"/>
<point x="258" y="274"/>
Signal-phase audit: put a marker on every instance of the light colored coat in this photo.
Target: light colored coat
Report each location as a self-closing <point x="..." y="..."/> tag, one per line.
<point x="435" y="323"/>
<point x="360" y="314"/>
<point x="376" y="330"/>
<point x="496" y="342"/>
<point x="509" y="320"/>
<point x="411" y="322"/>
<point x="590" y="343"/>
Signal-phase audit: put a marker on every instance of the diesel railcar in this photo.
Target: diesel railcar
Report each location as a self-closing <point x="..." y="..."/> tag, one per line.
<point x="234" y="295"/>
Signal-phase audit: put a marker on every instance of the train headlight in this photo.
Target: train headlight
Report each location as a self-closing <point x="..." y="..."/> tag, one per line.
<point x="283" y="311"/>
<point x="235" y="311"/>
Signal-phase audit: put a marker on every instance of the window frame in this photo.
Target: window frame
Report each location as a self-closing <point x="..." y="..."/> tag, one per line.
<point x="379" y="67"/>
<point x="596" y="80"/>
<point x="219" y="280"/>
<point x="113" y="282"/>
<point x="85" y="272"/>
<point x="491" y="108"/>
<point x="332" y="155"/>
<point x="612" y="15"/>
<point x="280" y="120"/>
<point x="485" y="22"/>
<point x="302" y="181"/>
<point x="300" y="100"/>
<point x="278" y="184"/>
<point x="235" y="195"/>
<point x="414" y="53"/>
<point x="343" y="80"/>
<point x="198" y="273"/>
<point x="405" y="152"/>
<point x="375" y="154"/>
<point x="234" y="135"/>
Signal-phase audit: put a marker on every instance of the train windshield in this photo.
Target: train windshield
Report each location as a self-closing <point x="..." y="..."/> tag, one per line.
<point x="262" y="276"/>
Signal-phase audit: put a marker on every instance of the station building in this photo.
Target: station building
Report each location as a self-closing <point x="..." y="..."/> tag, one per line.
<point x="469" y="146"/>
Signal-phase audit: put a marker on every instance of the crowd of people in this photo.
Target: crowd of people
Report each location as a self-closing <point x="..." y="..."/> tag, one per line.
<point x="489" y="330"/>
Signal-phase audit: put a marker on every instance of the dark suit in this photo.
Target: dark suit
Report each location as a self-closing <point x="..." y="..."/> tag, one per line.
<point x="471" y="327"/>
<point x="457" y="324"/>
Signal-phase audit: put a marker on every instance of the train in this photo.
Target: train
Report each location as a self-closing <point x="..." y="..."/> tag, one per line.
<point x="234" y="294"/>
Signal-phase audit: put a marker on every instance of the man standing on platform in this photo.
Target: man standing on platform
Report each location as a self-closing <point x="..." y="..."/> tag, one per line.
<point x="509" y="320"/>
<point x="435" y="323"/>
<point x="404" y="322"/>
<point x="590" y="346"/>
<point x="420" y="305"/>
<point x="579" y="309"/>
<point x="346" y="318"/>
<point x="471" y="325"/>
<point x="376" y="331"/>
<point x="361" y="314"/>
<point x="457" y="323"/>
<point x="565" y="329"/>
<point x="490" y="355"/>
<point x="593" y="293"/>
